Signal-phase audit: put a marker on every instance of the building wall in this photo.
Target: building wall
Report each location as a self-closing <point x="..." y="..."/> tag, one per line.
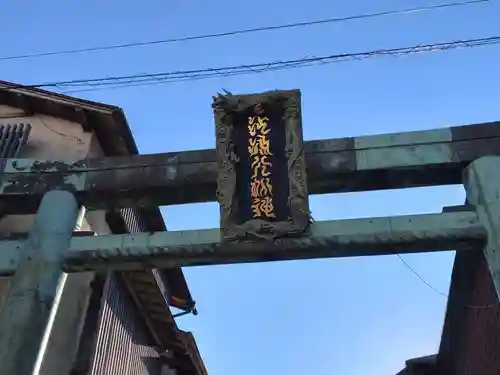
<point x="54" y="138"/>
<point x="123" y="345"/>
<point x="50" y="138"/>
<point x="470" y="344"/>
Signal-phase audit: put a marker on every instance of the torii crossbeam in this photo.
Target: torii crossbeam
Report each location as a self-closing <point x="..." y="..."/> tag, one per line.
<point x="424" y="158"/>
<point x="388" y="161"/>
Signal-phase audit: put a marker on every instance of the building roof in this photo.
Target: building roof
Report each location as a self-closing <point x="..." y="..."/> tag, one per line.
<point x="109" y="124"/>
<point x="115" y="137"/>
<point x="420" y="366"/>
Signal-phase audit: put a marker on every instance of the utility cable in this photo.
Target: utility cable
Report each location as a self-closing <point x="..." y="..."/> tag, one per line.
<point x="430" y="286"/>
<point x="245" y="31"/>
<point x="190" y="75"/>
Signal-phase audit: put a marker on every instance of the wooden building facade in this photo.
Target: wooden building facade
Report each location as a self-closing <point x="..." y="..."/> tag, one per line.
<point x="106" y="323"/>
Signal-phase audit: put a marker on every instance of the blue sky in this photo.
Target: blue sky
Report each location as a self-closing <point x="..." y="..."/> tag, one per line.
<point x="340" y="316"/>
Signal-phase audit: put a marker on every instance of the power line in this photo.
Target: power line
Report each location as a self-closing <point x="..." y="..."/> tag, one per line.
<point x="277" y="64"/>
<point x="190" y="75"/>
<point x="245" y="31"/>
<point x="412" y="270"/>
<point x="430" y="286"/>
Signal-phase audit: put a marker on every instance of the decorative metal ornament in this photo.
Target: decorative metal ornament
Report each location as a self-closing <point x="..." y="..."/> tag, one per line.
<point x="262" y="189"/>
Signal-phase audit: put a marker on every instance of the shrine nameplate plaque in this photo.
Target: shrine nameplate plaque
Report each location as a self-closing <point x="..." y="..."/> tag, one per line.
<point x="262" y="189"/>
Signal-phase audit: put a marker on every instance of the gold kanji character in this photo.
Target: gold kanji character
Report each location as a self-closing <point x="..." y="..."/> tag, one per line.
<point x="261" y="188"/>
<point x="253" y="147"/>
<point x="262" y="125"/>
<point x="263" y="207"/>
<point x="259" y="163"/>
<point x="259" y="145"/>
<point x="258" y="123"/>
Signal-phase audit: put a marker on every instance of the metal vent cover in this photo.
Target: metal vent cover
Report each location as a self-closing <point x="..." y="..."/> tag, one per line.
<point x="12" y="138"/>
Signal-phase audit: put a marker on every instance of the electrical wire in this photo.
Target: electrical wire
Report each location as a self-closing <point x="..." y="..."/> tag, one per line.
<point x="430" y="286"/>
<point x="78" y="140"/>
<point x="146" y="79"/>
<point x="245" y="31"/>
<point x="190" y="77"/>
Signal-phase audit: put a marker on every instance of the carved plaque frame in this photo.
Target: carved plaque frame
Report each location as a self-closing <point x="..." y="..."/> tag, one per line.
<point x="224" y="107"/>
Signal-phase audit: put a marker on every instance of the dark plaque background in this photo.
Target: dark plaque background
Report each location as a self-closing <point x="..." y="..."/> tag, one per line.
<point x="279" y="170"/>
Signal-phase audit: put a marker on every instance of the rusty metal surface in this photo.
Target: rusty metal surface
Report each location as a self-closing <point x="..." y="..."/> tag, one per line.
<point x="422" y="158"/>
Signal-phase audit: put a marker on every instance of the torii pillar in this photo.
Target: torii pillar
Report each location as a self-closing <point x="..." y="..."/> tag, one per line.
<point x="482" y="183"/>
<point x="34" y="284"/>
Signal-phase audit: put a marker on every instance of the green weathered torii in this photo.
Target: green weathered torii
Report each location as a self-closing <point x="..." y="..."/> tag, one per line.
<point x="425" y="158"/>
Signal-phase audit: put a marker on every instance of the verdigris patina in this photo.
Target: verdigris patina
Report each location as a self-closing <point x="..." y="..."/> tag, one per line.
<point x="261" y="176"/>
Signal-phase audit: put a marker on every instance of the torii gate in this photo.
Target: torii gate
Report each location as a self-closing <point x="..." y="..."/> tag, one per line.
<point x="249" y="232"/>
